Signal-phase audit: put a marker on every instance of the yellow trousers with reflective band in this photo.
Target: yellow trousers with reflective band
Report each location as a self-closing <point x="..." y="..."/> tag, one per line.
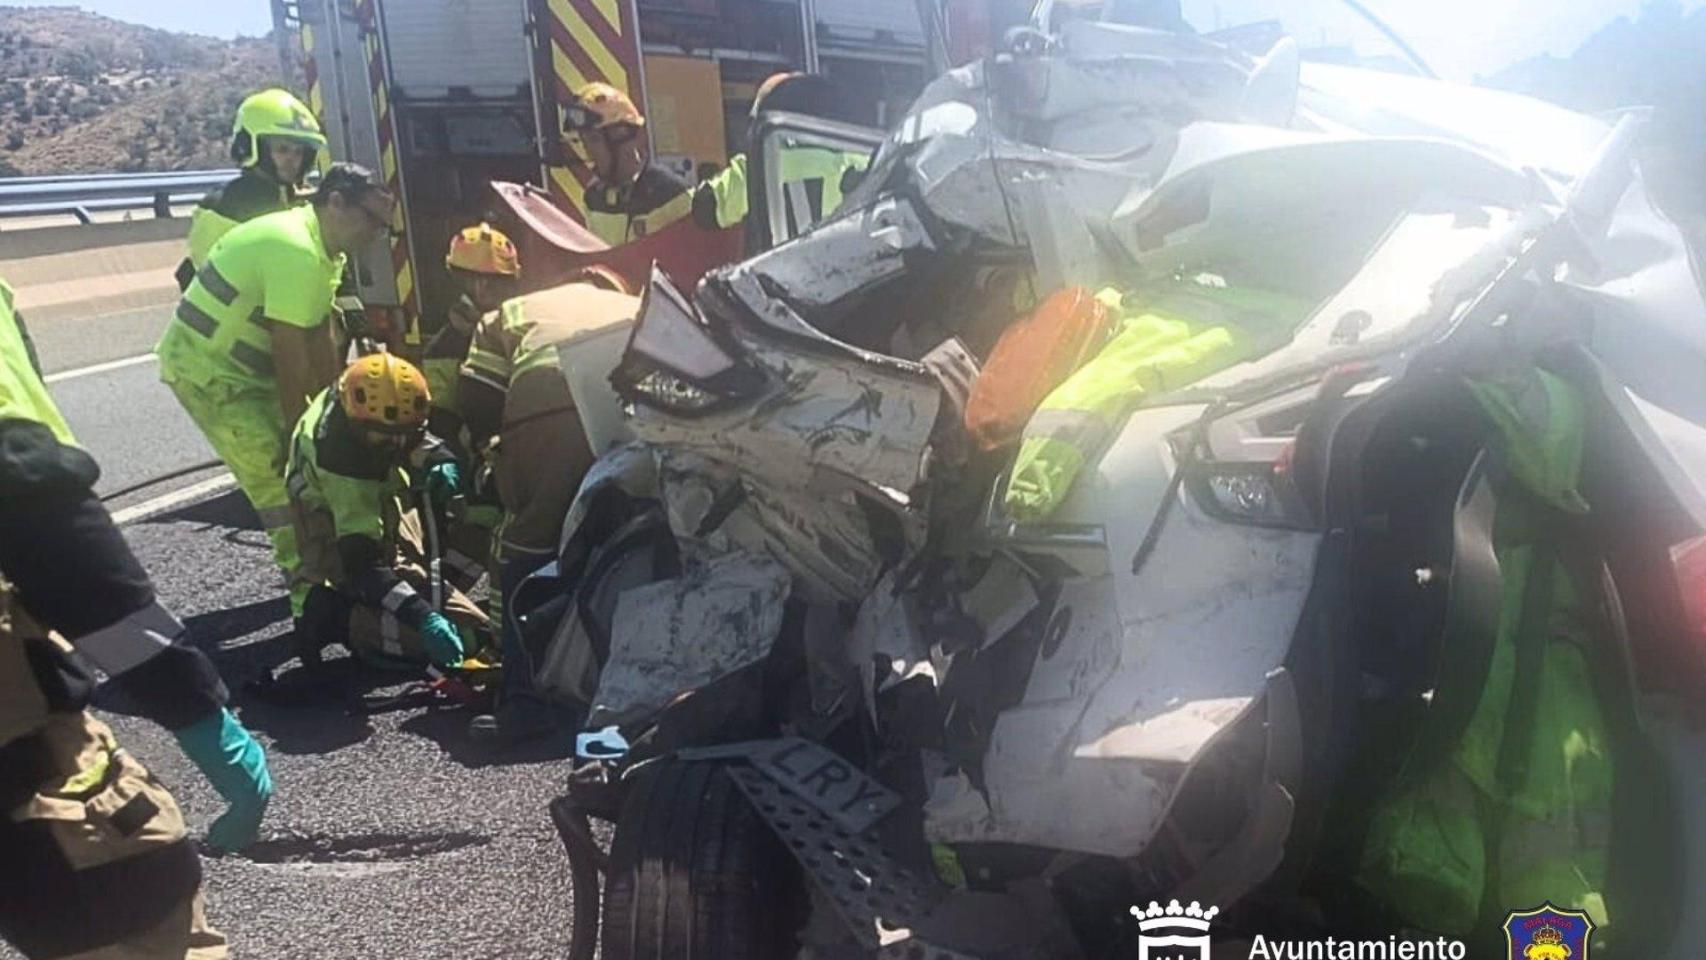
<point x="245" y="427"/>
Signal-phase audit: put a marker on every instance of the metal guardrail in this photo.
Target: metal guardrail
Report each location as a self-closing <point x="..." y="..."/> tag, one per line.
<point x="81" y="196"/>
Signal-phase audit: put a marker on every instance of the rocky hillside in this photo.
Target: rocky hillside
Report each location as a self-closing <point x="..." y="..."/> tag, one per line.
<point x="80" y="93"/>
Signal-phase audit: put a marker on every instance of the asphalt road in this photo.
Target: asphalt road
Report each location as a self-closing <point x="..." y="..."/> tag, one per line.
<point x="389" y="836"/>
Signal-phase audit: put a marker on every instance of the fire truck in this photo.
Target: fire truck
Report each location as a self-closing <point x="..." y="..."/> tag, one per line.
<point x="444" y="97"/>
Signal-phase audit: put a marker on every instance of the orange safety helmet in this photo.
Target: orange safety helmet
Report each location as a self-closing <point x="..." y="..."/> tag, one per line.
<point x="385" y="393"/>
<point x="598" y="106"/>
<point x="483" y="249"/>
<point x="602" y="277"/>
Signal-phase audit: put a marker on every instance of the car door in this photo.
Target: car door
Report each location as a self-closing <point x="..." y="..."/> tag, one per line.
<point x="799" y="168"/>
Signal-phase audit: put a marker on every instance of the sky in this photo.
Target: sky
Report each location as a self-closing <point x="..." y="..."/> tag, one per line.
<point x="218" y="18"/>
<point x="1459" y="38"/>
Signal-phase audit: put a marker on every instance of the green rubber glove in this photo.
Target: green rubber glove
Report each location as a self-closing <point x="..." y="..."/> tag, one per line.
<point x="443" y="481"/>
<point x="234" y="763"/>
<point x="443" y="641"/>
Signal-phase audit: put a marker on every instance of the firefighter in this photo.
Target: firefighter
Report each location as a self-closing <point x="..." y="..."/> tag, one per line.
<point x="275" y="141"/>
<point x="250" y="342"/>
<point x="632" y="195"/>
<point x="483" y="262"/>
<point x="352" y="455"/>
<point x="814" y="179"/>
<point x="97" y="859"/>
<point x="516" y="399"/>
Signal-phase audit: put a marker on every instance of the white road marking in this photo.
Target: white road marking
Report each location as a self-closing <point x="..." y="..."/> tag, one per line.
<point x="98" y="368"/>
<point x="177" y="498"/>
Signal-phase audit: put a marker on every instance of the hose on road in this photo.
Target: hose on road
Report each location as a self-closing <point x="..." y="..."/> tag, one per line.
<point x="162" y="478"/>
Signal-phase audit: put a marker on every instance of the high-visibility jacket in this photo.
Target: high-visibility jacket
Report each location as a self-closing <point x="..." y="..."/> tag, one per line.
<point x="273" y="268"/>
<point x="656" y="199"/>
<point x="1152" y="352"/>
<point x="253" y="193"/>
<point x="543" y="449"/>
<point x="1519" y="811"/>
<point x="811" y="179"/>
<point x="23" y="395"/>
<point x="75" y="571"/>
<point x="448" y="350"/>
<point x="348" y="498"/>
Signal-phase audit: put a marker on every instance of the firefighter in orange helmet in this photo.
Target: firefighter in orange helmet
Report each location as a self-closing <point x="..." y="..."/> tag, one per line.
<point x="632" y="195"/>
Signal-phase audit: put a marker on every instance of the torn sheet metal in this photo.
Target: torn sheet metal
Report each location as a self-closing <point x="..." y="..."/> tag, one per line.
<point x="824" y="538"/>
<point x="845" y="255"/>
<point x="827" y="422"/>
<point x="1112" y="67"/>
<point x="1149" y="670"/>
<point x="969" y="182"/>
<point x="675" y="636"/>
<point x="1002" y="597"/>
<point x="631" y="468"/>
<point x="887" y="642"/>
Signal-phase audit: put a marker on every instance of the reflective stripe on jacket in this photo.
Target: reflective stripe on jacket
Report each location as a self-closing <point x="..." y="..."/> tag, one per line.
<point x="359" y="493"/>
<point x="656" y="199"/>
<point x="273" y="268"/>
<point x="23" y="395"/>
<point x="811" y="187"/>
<point x="1152" y="353"/>
<point x="251" y="194"/>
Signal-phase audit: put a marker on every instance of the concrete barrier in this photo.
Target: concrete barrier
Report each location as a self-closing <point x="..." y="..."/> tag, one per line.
<point x="93" y="269"/>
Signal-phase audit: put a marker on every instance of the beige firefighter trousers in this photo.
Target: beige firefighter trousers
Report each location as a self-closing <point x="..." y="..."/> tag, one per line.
<point x="78" y="821"/>
<point x="375" y="632"/>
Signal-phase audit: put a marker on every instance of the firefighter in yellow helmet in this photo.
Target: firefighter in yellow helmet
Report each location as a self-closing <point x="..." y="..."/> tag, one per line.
<point x="360" y="448"/>
<point x="275" y="141"/>
<point x="632" y="195"/>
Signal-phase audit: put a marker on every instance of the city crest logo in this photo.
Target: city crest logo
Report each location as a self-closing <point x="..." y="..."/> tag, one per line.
<point x="1173" y="932"/>
<point x="1548" y="933"/>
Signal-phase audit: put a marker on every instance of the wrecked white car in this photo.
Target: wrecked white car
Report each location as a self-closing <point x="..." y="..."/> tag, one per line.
<point x="1175" y="474"/>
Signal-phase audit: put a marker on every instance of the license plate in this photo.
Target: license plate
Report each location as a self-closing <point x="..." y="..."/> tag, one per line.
<point x="831" y="785"/>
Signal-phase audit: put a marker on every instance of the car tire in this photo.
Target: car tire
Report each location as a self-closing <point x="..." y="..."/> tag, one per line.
<point x="695" y="874"/>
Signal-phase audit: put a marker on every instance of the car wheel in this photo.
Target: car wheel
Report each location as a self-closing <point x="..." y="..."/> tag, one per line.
<point x="695" y="874"/>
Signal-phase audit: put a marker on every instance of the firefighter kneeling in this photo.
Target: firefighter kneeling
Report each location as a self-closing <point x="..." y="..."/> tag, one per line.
<point x="352" y="456"/>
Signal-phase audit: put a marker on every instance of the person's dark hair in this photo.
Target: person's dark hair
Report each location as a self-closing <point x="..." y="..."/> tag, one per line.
<point x="352" y="180"/>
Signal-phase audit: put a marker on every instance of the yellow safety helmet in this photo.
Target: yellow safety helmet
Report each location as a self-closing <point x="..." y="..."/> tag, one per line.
<point x="384" y="393"/>
<point x="599" y="106"/>
<point x="483" y="249"/>
<point x="273" y="113"/>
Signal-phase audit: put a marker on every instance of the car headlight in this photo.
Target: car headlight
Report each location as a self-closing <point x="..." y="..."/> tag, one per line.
<point x="675" y="361"/>
<point x="668" y="391"/>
